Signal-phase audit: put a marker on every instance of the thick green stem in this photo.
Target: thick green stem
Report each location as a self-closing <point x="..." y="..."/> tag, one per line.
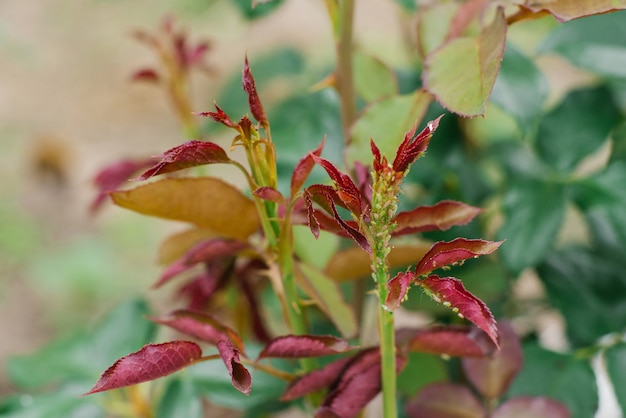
<point x="386" y="334"/>
<point x="345" y="79"/>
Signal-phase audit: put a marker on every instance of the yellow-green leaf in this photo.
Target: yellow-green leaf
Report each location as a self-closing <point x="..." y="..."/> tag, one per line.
<point x="461" y="73"/>
<point x="354" y="263"/>
<point x="327" y="296"/>
<point x="564" y="10"/>
<point x="205" y="202"/>
<point x="373" y="79"/>
<point x="433" y="25"/>
<point x="386" y="121"/>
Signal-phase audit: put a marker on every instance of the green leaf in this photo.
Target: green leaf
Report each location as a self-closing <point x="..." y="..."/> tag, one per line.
<point x="615" y="357"/>
<point x="83" y="356"/>
<point x="596" y="43"/>
<point x="65" y="403"/>
<point x="326" y="293"/>
<point x="559" y="376"/>
<point x="433" y="25"/>
<point x="521" y="89"/>
<point x="461" y="73"/>
<point x="421" y="370"/>
<point x="373" y="79"/>
<point x="602" y="198"/>
<point x="254" y="9"/>
<point x="386" y="122"/>
<point x="618" y="151"/>
<point x="534" y="213"/>
<point x="587" y="288"/>
<point x="577" y="127"/>
<point x="180" y="399"/>
<point x="315" y="252"/>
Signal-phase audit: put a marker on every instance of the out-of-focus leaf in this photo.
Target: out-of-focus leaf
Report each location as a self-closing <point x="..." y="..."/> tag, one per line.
<point x="240" y="376"/>
<point x="451" y="292"/>
<point x="206" y="202"/>
<point x="440" y="216"/>
<point x="451" y="340"/>
<point x="254" y="9"/>
<point x="443" y="254"/>
<point x="618" y="150"/>
<point x="433" y="25"/>
<point x="65" y="403"/>
<point x="176" y="245"/>
<point x="564" y="10"/>
<point x="299" y="346"/>
<point x="270" y="194"/>
<point x="81" y="357"/>
<point x="602" y="198"/>
<point x="190" y="154"/>
<point x="558" y="376"/>
<point x="315" y="380"/>
<point x="445" y="400"/>
<point x="373" y="79"/>
<point x="534" y="213"/>
<point x="200" y="325"/>
<point x="492" y="375"/>
<point x="421" y="369"/>
<point x="461" y="73"/>
<point x="325" y="292"/>
<point x="386" y="122"/>
<point x="180" y="399"/>
<point x="354" y="263"/>
<point x="615" y="358"/>
<point x="254" y="101"/>
<point x="576" y="128"/>
<point x="587" y="287"/>
<point x="113" y="176"/>
<point x="520" y="89"/>
<point x="537" y="407"/>
<point x="408" y="5"/>
<point x="149" y="363"/>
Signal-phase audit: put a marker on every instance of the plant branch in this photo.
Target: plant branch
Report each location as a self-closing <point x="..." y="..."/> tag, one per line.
<point x="345" y="79"/>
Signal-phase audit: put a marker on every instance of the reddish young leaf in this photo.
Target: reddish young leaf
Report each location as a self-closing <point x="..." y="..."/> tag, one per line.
<point x="446" y="253"/>
<point x="536" y="407"/>
<point x="445" y="400"/>
<point x="146" y="74"/>
<point x="190" y="154"/>
<point x="358" y="383"/>
<point x="450" y="292"/>
<point x="303" y="169"/>
<point x="202" y="252"/>
<point x="245" y="277"/>
<point x="412" y="148"/>
<point x="298" y="346"/>
<point x="254" y="101"/>
<point x="149" y="363"/>
<point x="492" y="375"/>
<point x="347" y="191"/>
<point x="219" y="116"/>
<point x="315" y="380"/>
<point x="439" y="217"/>
<point x="451" y="340"/>
<point x="269" y="193"/>
<point x="398" y="288"/>
<point x="113" y="176"/>
<point x="242" y="381"/>
<point x="200" y="325"/>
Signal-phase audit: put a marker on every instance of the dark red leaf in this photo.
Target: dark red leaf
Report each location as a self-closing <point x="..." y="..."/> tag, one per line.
<point x="113" y="176"/>
<point x="315" y="380"/>
<point x="200" y="290"/>
<point x="536" y="407"/>
<point x="412" y="148"/>
<point x="200" y="325"/>
<point x="242" y="381"/>
<point x="450" y="292"/>
<point x="398" y="288"/>
<point x="448" y="253"/>
<point x="303" y="169"/>
<point x="298" y="346"/>
<point x="254" y="101"/>
<point x="245" y="276"/>
<point x="380" y="161"/>
<point x="202" y="252"/>
<point x="347" y="191"/>
<point x="451" y="340"/>
<point x="356" y="386"/>
<point x="439" y="217"/>
<point x="492" y="375"/>
<point x="146" y="74"/>
<point x="219" y="116"/>
<point x="445" y="400"/>
<point x="149" y="363"/>
<point x="269" y="193"/>
<point x="190" y="154"/>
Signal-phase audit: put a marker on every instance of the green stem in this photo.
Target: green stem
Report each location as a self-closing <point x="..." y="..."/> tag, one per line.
<point x="345" y="79"/>
<point x="386" y="334"/>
